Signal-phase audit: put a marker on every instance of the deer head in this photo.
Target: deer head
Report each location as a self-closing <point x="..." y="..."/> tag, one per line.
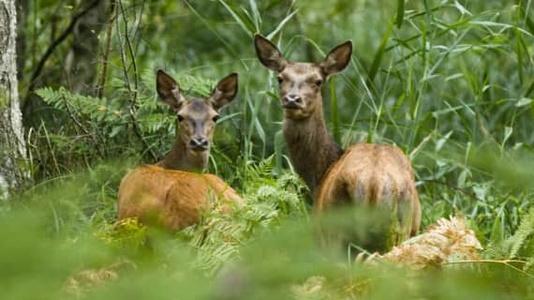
<point x="300" y="83"/>
<point x="196" y="116"/>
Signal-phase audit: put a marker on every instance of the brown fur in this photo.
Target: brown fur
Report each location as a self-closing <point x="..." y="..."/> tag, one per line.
<point x="197" y="120"/>
<point x="369" y="174"/>
<point x="171" y="198"/>
<point x="166" y="194"/>
<point x="372" y="174"/>
<point x="181" y="158"/>
<point x="311" y="149"/>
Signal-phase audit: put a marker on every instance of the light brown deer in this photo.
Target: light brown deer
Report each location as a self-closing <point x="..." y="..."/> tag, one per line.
<point x="370" y="174"/>
<point x="171" y="193"/>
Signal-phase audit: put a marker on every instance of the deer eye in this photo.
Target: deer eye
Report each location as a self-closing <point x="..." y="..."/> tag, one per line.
<point x="280" y="79"/>
<point x="215" y="118"/>
<point x="318" y="82"/>
<point x="180" y="118"/>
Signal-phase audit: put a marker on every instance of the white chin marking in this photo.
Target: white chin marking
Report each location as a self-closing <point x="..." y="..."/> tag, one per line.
<point x="197" y="152"/>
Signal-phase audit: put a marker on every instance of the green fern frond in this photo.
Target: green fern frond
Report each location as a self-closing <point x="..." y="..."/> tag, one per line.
<point x="521" y="244"/>
<point x="97" y="109"/>
<point x="219" y="236"/>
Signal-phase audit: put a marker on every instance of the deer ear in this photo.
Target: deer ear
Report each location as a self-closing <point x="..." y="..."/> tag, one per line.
<point x="337" y="59"/>
<point x="168" y="90"/>
<point x="268" y="54"/>
<point x="224" y="92"/>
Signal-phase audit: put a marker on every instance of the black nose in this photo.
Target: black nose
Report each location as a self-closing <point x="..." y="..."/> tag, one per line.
<point x="199" y="143"/>
<point x="292" y="98"/>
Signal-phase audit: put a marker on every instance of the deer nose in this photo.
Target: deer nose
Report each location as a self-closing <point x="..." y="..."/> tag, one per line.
<point x="199" y="143"/>
<point x="293" y="98"/>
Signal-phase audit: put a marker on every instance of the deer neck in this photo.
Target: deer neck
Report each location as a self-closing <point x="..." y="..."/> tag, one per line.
<point x="311" y="148"/>
<point x="181" y="158"/>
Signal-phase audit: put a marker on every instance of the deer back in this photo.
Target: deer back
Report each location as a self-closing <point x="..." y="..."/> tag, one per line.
<point x="171" y="198"/>
<point x="376" y="175"/>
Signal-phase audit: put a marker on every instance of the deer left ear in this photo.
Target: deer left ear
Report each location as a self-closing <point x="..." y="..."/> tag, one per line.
<point x="168" y="90"/>
<point x="224" y="92"/>
<point x="268" y="54"/>
<point x="337" y="59"/>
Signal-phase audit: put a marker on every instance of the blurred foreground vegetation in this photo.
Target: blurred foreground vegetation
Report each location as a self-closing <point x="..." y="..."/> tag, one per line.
<point x="61" y="241"/>
<point x="450" y="82"/>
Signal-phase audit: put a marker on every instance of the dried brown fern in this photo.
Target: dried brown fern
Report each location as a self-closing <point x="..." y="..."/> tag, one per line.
<point x="445" y="241"/>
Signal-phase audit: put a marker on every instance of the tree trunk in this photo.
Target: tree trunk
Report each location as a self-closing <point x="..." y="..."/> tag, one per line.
<point x="82" y="62"/>
<point x="13" y="170"/>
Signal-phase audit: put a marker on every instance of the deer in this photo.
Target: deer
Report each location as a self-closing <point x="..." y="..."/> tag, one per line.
<point x="371" y="175"/>
<point x="173" y="193"/>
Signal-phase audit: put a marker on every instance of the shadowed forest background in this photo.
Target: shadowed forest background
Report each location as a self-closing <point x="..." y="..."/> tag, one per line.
<point x="449" y="82"/>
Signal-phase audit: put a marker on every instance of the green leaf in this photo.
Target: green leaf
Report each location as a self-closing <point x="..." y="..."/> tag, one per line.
<point x="523" y="102"/>
<point x="507" y="133"/>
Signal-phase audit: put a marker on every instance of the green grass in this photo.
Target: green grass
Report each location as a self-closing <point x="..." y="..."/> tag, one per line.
<point x="449" y="82"/>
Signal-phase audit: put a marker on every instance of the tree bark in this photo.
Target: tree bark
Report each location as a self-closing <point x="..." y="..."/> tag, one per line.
<point x="13" y="170"/>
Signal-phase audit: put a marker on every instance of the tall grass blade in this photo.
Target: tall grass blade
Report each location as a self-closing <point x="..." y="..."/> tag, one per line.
<point x="278" y="154"/>
<point x="400" y="13"/>
<point x="210" y="27"/>
<point x="377" y="60"/>
<point x="334" y="113"/>
<point x="524" y="13"/>
<point x="281" y="25"/>
<point x="256" y="16"/>
<point x="238" y="19"/>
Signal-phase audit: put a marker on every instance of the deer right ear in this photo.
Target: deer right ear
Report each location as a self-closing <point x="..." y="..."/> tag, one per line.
<point x="337" y="59"/>
<point x="268" y="54"/>
<point x="168" y="90"/>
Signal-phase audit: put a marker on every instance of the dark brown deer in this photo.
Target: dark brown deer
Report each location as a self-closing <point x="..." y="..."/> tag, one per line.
<point x="370" y="174"/>
<point x="171" y="193"/>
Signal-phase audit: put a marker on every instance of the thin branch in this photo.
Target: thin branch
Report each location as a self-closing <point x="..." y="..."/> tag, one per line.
<point x="132" y="55"/>
<point x="92" y="136"/>
<point x="132" y="100"/>
<point x="137" y="32"/>
<point x="119" y="37"/>
<point x="105" y="56"/>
